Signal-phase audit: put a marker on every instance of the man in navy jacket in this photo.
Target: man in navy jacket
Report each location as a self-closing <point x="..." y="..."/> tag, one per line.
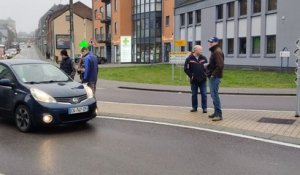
<point x="195" y="69"/>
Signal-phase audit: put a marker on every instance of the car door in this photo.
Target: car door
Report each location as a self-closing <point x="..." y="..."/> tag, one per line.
<point x="6" y="93"/>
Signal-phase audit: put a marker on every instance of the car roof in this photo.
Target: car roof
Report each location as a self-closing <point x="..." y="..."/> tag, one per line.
<point x="11" y="62"/>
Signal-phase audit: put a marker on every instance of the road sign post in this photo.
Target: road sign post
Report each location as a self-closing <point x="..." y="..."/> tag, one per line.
<point x="297" y="80"/>
<point x="177" y="58"/>
<point x="285" y="54"/>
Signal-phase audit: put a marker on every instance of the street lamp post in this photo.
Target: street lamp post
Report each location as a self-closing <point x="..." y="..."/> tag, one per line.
<point x="72" y="28"/>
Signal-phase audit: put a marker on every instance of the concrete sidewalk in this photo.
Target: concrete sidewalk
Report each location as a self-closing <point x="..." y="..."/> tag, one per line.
<point x="187" y="89"/>
<point x="244" y="122"/>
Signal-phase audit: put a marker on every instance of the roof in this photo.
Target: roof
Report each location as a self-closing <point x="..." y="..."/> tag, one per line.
<point x="180" y="3"/>
<point x="11" y="62"/>
<point x="80" y="9"/>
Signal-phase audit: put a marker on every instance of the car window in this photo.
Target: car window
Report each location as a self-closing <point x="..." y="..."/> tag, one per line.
<point x="5" y="73"/>
<point x="39" y="73"/>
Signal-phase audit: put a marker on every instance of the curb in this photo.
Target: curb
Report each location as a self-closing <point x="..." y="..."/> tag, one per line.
<point x="272" y="137"/>
<point x="222" y="93"/>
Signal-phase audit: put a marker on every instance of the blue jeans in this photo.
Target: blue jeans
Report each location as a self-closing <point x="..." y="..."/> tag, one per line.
<point x="214" y="84"/>
<point x="194" y="88"/>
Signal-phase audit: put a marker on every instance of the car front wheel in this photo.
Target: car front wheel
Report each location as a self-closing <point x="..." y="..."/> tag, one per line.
<point x="23" y="119"/>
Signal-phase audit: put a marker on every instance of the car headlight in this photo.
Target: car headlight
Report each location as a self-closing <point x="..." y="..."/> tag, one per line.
<point x="41" y="96"/>
<point x="89" y="91"/>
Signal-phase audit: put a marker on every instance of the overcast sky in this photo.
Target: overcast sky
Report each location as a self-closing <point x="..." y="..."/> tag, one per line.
<point x="27" y="13"/>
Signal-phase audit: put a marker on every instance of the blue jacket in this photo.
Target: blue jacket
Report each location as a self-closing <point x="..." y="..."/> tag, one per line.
<point x="91" y="69"/>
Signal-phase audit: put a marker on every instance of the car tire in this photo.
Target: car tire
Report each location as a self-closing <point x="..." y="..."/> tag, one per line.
<point x="102" y="62"/>
<point x="23" y="119"/>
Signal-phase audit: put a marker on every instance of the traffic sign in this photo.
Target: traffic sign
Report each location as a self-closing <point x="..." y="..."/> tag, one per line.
<point x="178" y="57"/>
<point x="285" y="54"/>
<point x="179" y="43"/>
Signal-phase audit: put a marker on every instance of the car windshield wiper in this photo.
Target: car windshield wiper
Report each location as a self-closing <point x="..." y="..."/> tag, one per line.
<point x="54" y="81"/>
<point x="32" y="82"/>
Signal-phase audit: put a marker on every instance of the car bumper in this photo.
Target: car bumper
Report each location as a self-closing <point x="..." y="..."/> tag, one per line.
<point x="60" y="112"/>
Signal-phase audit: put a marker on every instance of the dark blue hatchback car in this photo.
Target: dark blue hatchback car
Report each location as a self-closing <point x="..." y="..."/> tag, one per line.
<point x="35" y="93"/>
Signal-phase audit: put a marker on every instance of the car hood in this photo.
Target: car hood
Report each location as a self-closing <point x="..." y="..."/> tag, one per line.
<point x="61" y="89"/>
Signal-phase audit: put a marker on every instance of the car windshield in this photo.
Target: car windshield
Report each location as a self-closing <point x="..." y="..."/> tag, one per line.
<point x="39" y="73"/>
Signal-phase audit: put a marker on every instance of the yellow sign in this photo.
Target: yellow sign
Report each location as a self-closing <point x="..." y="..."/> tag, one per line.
<point x="180" y="43"/>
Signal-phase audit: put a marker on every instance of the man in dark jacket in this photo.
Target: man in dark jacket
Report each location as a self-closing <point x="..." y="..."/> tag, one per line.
<point x="194" y="68"/>
<point x="90" y="69"/>
<point x="215" y="73"/>
<point x="67" y="64"/>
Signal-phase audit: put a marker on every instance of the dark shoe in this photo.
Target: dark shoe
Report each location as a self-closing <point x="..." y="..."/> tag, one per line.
<point x="211" y="116"/>
<point x="217" y="118"/>
<point x="194" y="110"/>
<point x="204" y="111"/>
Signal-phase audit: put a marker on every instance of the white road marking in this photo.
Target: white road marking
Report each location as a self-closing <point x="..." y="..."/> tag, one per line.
<point x="185" y="107"/>
<point x="205" y="129"/>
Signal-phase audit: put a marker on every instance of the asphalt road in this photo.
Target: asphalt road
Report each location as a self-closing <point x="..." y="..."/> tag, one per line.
<point x="181" y="99"/>
<point x="115" y="147"/>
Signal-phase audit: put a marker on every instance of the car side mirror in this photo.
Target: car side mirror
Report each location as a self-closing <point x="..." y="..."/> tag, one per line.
<point x="7" y="82"/>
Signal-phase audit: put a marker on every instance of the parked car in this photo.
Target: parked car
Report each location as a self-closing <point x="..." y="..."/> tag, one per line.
<point x="36" y="93"/>
<point x="101" y="60"/>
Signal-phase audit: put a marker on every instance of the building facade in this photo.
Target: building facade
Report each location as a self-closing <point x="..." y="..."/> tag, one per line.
<point x="252" y="32"/>
<point x="135" y="31"/>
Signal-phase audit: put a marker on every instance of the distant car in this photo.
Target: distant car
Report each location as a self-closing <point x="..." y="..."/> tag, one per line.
<point x="10" y="53"/>
<point x="101" y="60"/>
<point x="77" y="58"/>
<point x="28" y="46"/>
<point x="36" y="93"/>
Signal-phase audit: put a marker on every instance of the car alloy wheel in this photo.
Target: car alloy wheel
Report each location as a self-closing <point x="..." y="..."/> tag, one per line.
<point x="23" y="118"/>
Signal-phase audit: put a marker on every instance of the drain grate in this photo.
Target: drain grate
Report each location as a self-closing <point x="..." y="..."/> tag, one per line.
<point x="276" y="121"/>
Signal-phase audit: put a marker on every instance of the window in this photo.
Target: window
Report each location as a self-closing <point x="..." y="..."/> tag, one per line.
<point x="243" y="45"/>
<point x="256" y="45"/>
<point x="5" y="73"/>
<point x="243" y="7"/>
<point x="68" y="17"/>
<point x="167" y="20"/>
<point x="230" y="46"/>
<point x="256" y="6"/>
<point x="230" y="10"/>
<point x="272" y="5"/>
<point x="198" y="16"/>
<point x="190" y="18"/>
<point x="182" y="19"/>
<point x="190" y="46"/>
<point x="116" y="28"/>
<point x="198" y="43"/>
<point x="96" y="14"/>
<point x="116" y="5"/>
<point x="219" y="12"/>
<point x="221" y="43"/>
<point x="271" y="44"/>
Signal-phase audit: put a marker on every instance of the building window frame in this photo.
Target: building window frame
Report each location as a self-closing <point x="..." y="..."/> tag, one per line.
<point x="116" y="29"/>
<point x="254" y="11"/>
<point x="167" y="21"/>
<point x="253" y="43"/>
<point x="219" y="12"/>
<point x="270" y="8"/>
<point x="198" y="17"/>
<point x="242" y="46"/>
<point x="190" y="16"/>
<point x="271" y="54"/>
<point x="230" y="10"/>
<point x="182" y="19"/>
<point x="243" y="8"/>
<point x="230" y="51"/>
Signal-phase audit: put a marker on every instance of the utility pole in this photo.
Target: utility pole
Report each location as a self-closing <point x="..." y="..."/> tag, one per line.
<point x="72" y="28"/>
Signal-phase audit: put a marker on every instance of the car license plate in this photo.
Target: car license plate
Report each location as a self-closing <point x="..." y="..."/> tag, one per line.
<point x="78" y="110"/>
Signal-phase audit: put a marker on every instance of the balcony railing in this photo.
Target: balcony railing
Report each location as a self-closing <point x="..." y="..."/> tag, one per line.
<point x="103" y="38"/>
<point x="105" y="1"/>
<point x="106" y="19"/>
